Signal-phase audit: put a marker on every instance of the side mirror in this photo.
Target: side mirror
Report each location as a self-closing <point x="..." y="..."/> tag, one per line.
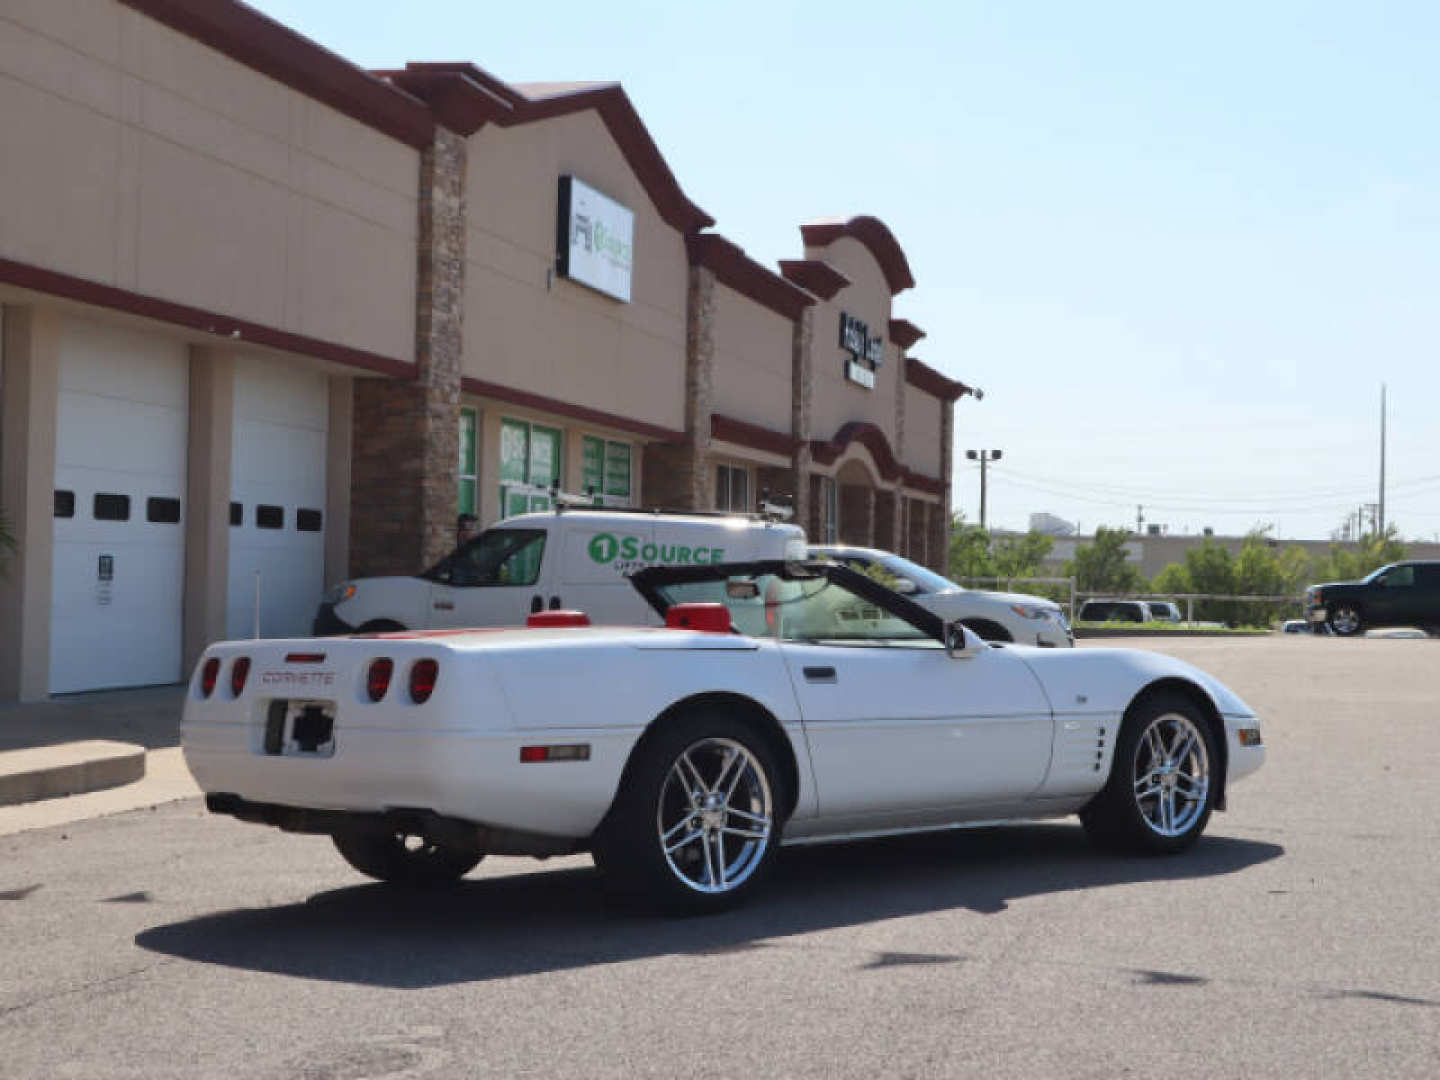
<point x="961" y="643"/>
<point x="905" y="587"/>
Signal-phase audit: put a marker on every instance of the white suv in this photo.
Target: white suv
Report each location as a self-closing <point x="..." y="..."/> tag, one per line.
<point x="995" y="616"/>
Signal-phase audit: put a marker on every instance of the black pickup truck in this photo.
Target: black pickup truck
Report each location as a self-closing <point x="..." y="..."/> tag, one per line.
<point x="1401" y="594"/>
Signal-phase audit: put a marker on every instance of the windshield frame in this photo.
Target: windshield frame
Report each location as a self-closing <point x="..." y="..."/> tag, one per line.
<point x="649" y="581"/>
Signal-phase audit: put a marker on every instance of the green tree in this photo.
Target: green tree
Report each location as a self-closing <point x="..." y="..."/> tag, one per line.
<point x="1211" y="569"/>
<point x="1373" y="551"/>
<point x="969" y="550"/>
<point x="1173" y="579"/>
<point x="1258" y="572"/>
<point x="1103" y="566"/>
<point x="1021" y="556"/>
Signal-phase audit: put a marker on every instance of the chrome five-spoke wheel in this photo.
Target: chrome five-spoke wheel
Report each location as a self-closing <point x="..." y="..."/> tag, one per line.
<point x="698" y="817"/>
<point x="1172" y="774"/>
<point x="715" y="815"/>
<point x="1164" y="778"/>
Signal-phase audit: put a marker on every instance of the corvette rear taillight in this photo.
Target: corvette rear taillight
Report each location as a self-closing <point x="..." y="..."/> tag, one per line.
<point x="377" y="679"/>
<point x="239" y="672"/>
<point x="208" y="674"/>
<point x="422" y="680"/>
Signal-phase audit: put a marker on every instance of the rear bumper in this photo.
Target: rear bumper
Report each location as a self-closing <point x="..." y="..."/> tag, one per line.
<point x="416" y="822"/>
<point x="468" y="775"/>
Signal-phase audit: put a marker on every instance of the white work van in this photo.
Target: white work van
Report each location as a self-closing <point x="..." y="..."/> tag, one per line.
<point x="575" y="559"/>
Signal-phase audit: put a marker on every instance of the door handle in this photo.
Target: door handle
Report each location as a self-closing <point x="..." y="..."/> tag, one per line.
<point x="536" y="604"/>
<point x="820" y="674"/>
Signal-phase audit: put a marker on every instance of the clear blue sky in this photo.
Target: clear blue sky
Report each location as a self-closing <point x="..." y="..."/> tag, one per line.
<point x="1179" y="248"/>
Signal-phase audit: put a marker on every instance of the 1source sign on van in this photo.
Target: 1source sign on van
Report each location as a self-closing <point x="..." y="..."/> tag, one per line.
<point x="595" y="244"/>
<point x="606" y="547"/>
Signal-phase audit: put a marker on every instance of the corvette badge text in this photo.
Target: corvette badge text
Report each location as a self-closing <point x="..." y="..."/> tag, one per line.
<point x="298" y="678"/>
<point x="606" y="547"/>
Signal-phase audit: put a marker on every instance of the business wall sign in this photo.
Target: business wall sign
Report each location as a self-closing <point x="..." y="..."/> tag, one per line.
<point x="595" y="239"/>
<point x="867" y="353"/>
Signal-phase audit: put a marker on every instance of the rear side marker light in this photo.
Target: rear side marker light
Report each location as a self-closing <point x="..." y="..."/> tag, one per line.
<point x="1249" y="736"/>
<point x="208" y="674"/>
<point x="239" y="672"/>
<point x="422" y="680"/>
<point x="377" y="678"/>
<point x="531" y="755"/>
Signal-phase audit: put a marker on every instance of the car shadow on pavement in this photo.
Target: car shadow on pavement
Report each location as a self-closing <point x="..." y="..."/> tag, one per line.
<point x="528" y="923"/>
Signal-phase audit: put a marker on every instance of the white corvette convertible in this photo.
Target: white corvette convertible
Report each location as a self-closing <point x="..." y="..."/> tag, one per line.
<point x="782" y="702"/>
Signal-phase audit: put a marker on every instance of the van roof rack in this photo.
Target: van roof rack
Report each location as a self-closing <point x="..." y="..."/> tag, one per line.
<point x="565" y="502"/>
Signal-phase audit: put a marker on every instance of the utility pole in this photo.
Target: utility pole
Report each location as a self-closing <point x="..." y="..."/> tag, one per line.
<point x="1140" y="520"/>
<point x="984" y="457"/>
<point x="1380" y="524"/>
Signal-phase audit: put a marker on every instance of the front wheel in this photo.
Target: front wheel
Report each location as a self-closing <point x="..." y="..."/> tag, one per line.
<point x="1162" y="780"/>
<point x="405" y="858"/>
<point x="1346" y="620"/>
<point x="695" y="826"/>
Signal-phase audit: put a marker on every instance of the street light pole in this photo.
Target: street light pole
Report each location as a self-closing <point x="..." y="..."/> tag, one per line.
<point x="984" y="457"/>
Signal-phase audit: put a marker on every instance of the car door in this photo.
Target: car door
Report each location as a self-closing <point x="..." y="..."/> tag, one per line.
<point x="1393" y="598"/>
<point x="1428" y="601"/>
<point x="896" y="729"/>
<point x="497" y="579"/>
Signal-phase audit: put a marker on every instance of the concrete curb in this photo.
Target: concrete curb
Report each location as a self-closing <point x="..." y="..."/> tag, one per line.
<point x="49" y="772"/>
<point x="1104" y="632"/>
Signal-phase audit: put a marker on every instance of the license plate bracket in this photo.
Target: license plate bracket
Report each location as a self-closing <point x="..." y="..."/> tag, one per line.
<point x="300" y="728"/>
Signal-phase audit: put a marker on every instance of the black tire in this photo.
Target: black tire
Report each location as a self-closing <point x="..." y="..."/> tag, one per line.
<point x="381" y="626"/>
<point x="986" y="630"/>
<point x="629" y="849"/>
<point x="401" y="859"/>
<point x="1346" y="620"/>
<point x="1126" y="817"/>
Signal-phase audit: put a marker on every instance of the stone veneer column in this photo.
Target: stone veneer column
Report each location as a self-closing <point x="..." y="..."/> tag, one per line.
<point x="802" y="391"/>
<point x="947" y="473"/>
<point x="680" y="475"/>
<point x="211" y="440"/>
<point x="406" y="434"/>
<point x="29" y="399"/>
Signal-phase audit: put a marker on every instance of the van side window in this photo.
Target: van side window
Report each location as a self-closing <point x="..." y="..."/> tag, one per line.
<point x="500" y="557"/>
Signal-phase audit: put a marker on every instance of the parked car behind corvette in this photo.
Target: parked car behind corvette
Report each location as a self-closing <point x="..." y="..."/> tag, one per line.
<point x="994" y="616"/>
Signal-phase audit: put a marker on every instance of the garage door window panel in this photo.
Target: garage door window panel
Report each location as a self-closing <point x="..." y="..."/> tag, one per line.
<point x="160" y="510"/>
<point x="111" y="507"/>
<point x="64" y="504"/>
<point x="269" y="517"/>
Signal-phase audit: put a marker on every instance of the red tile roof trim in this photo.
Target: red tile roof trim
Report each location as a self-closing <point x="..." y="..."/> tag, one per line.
<point x="743" y="433"/>
<point x="524" y="398"/>
<point x="734" y="268"/>
<point x="875" y="235"/>
<point x="923" y="377"/>
<point x="225" y="327"/>
<point x="261" y="43"/>
<point x="905" y="333"/>
<point x="814" y="276"/>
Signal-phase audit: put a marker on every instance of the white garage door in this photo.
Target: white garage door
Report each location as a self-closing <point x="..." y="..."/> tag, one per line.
<point x="277" y="493"/>
<point x="120" y="453"/>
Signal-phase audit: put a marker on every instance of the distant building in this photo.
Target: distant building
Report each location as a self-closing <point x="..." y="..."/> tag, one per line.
<point x="1051" y="525"/>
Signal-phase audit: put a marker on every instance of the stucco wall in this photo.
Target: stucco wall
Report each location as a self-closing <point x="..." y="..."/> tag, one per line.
<point x="139" y="158"/>
<point x="529" y="331"/>
<point x="836" y="400"/>
<point x="752" y="361"/>
<point x="924" y="443"/>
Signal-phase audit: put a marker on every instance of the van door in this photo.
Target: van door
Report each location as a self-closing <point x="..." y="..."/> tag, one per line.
<point x="497" y="579"/>
<point x="594" y="574"/>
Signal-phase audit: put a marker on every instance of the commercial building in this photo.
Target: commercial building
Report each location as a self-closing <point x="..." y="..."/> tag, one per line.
<point x="271" y="320"/>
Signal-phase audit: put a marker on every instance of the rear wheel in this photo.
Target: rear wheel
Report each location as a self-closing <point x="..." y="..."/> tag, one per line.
<point x="697" y="821"/>
<point x="1162" y="780"/>
<point x="1345" y="620"/>
<point x="405" y="858"/>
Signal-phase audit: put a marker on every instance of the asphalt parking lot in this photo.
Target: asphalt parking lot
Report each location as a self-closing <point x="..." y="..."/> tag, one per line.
<point x="1298" y="939"/>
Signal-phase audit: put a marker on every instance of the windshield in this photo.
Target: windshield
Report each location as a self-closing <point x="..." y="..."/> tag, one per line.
<point x="809" y="609"/>
<point x="926" y="581"/>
